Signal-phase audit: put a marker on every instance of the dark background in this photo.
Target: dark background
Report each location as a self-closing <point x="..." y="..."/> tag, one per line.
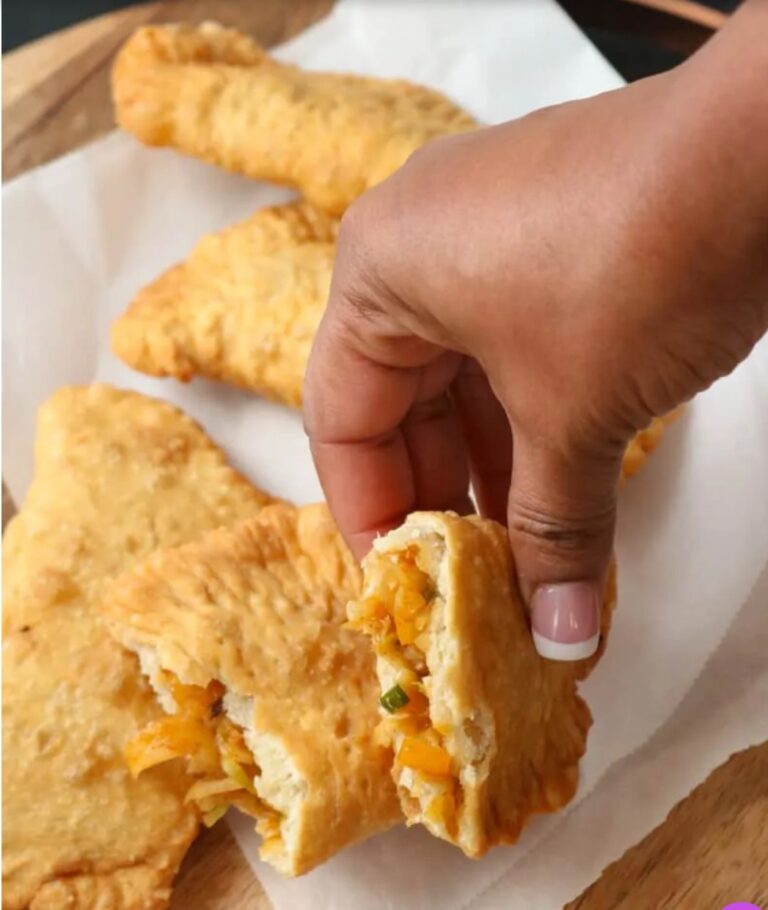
<point x="633" y="56"/>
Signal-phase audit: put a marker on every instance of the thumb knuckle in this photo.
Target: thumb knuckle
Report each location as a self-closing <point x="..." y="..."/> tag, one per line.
<point x="576" y="531"/>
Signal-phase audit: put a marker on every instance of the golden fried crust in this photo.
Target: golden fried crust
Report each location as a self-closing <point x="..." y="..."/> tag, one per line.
<point x="645" y="442"/>
<point x="243" y="308"/>
<point x="260" y="607"/>
<point x="521" y="711"/>
<point x="117" y="475"/>
<point x="214" y="94"/>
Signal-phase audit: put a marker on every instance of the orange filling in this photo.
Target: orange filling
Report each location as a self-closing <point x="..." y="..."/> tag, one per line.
<point x="417" y="753"/>
<point x="216" y="753"/>
<point x="396" y="614"/>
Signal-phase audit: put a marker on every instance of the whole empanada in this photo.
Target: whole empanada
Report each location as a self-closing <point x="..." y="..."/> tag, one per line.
<point x="215" y="94"/>
<point x="243" y="308"/>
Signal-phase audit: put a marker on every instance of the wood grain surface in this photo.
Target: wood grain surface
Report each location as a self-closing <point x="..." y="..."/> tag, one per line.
<point x="713" y="847"/>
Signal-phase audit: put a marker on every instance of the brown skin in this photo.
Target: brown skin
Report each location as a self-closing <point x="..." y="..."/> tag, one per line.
<point x="522" y="299"/>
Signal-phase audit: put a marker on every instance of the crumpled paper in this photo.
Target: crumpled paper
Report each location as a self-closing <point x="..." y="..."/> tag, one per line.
<point x="84" y="233"/>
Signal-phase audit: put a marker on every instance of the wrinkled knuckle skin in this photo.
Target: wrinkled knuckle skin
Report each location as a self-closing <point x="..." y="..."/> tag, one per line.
<point x="356" y="264"/>
<point x="574" y="534"/>
<point x="362" y="305"/>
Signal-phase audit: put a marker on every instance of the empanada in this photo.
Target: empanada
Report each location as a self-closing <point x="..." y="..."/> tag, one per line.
<point x="215" y="94"/>
<point x="117" y="475"/>
<point x="243" y="308"/>
<point x="271" y="700"/>
<point x="485" y="732"/>
<point x="645" y="443"/>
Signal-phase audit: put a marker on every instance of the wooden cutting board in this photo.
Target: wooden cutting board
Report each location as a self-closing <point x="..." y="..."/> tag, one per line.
<point x="713" y="847"/>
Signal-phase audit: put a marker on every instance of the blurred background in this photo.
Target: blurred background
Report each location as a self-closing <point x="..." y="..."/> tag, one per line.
<point x="635" y="42"/>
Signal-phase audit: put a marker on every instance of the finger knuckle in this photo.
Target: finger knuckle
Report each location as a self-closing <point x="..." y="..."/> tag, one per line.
<point x="425" y="156"/>
<point x="358" y="269"/>
<point x="432" y="410"/>
<point x="573" y="533"/>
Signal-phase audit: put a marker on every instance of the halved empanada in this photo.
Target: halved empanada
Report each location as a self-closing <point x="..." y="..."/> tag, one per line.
<point x="272" y="702"/>
<point x="485" y="731"/>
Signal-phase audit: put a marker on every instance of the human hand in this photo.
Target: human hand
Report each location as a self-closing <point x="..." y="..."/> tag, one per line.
<point x="515" y="303"/>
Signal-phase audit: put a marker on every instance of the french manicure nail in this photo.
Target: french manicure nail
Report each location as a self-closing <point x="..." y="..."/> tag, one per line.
<point x="565" y="620"/>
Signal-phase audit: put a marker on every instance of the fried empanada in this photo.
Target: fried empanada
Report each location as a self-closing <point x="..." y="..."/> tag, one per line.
<point x="117" y="475"/>
<point x="485" y="731"/>
<point x="645" y="442"/>
<point x="272" y="701"/>
<point x="215" y="94"/>
<point x="243" y="308"/>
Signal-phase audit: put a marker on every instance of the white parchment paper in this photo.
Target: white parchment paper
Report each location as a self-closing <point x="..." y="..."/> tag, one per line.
<point x="84" y="233"/>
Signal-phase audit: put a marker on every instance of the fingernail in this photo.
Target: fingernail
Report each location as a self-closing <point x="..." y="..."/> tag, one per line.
<point x="565" y="620"/>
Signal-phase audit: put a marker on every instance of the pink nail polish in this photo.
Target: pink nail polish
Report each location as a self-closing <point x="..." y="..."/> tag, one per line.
<point x="565" y="620"/>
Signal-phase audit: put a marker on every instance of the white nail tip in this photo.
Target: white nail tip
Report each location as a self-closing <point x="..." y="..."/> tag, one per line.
<point x="557" y="650"/>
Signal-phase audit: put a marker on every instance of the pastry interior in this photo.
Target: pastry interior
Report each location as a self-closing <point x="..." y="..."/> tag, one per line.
<point x="403" y="611"/>
<point x="230" y="765"/>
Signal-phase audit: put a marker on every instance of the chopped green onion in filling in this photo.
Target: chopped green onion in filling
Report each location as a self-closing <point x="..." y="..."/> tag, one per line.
<point x="394" y="698"/>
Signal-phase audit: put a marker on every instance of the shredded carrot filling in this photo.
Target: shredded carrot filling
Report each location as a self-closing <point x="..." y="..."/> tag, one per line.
<point x="442" y="809"/>
<point x="396" y="616"/>
<point x="417" y="753"/>
<point x="215" y="749"/>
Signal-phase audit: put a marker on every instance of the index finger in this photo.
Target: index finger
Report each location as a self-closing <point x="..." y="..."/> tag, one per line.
<point x="372" y="430"/>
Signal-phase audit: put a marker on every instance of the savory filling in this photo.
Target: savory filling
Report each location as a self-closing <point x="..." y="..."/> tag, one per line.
<point x="395" y="612"/>
<point x="216" y="752"/>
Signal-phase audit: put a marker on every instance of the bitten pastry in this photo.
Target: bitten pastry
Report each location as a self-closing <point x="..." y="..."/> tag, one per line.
<point x="485" y="732"/>
<point x="272" y="702"/>
<point x="116" y="476"/>
<point x="243" y="308"/>
<point x="215" y="94"/>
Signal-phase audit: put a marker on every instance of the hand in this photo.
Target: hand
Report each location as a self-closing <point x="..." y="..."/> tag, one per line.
<point x="515" y="303"/>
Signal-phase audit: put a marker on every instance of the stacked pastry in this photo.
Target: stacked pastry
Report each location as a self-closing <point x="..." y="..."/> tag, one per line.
<point x="238" y="683"/>
<point x="117" y="475"/>
<point x="245" y="305"/>
<point x="176" y="642"/>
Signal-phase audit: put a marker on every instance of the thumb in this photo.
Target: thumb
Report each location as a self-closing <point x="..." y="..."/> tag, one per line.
<point x="562" y="515"/>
